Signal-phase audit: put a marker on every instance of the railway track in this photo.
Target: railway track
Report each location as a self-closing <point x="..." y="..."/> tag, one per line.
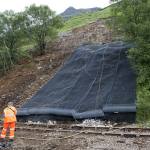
<point x="34" y="136"/>
<point x="81" y="127"/>
<point x="78" y="129"/>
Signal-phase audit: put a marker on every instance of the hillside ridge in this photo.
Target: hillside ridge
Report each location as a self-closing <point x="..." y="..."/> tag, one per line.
<point x="71" y="11"/>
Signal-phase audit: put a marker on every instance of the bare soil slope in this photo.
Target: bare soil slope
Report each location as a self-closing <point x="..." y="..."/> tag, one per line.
<point x="25" y="79"/>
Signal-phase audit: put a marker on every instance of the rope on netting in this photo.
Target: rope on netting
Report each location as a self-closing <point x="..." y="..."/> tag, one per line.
<point x="115" y="77"/>
<point x="90" y="87"/>
<point x="62" y="98"/>
<point x="76" y="81"/>
<point x="54" y="92"/>
<point x="85" y="95"/>
<point x="100" y="79"/>
<point x="78" y="104"/>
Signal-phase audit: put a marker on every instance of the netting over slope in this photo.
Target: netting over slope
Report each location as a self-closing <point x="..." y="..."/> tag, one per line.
<point x="95" y="80"/>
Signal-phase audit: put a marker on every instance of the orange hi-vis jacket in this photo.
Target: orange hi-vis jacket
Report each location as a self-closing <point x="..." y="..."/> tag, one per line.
<point x="10" y="114"/>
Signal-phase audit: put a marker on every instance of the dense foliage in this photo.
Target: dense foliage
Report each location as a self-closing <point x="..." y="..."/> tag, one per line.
<point x="132" y="19"/>
<point x="34" y="25"/>
<point x="11" y="35"/>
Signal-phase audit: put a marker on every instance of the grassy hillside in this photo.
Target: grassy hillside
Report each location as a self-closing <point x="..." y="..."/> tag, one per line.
<point x="86" y="18"/>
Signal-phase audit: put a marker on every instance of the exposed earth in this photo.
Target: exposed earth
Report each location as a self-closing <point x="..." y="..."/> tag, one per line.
<point x="25" y="79"/>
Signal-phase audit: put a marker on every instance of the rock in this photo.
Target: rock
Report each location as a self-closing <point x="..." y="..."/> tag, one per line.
<point x="95" y="32"/>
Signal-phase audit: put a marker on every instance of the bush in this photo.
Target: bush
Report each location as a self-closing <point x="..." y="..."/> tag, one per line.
<point x="132" y="18"/>
<point x="5" y="61"/>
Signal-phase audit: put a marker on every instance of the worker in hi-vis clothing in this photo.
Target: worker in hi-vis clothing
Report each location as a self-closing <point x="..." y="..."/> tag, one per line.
<point x="9" y="121"/>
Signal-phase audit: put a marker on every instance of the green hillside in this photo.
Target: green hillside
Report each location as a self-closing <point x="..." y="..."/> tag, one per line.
<point x="86" y="18"/>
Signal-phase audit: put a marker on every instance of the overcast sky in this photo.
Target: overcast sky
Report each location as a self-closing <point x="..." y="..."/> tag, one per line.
<point x="56" y="5"/>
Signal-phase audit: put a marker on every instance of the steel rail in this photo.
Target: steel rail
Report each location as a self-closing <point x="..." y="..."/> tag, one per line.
<point x="77" y="127"/>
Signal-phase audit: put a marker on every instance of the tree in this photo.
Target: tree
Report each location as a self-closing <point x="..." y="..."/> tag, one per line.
<point x="132" y="18"/>
<point x="42" y="25"/>
<point x="11" y="37"/>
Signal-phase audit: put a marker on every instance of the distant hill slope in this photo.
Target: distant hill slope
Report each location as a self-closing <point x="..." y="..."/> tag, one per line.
<point x="86" y="18"/>
<point x="71" y="11"/>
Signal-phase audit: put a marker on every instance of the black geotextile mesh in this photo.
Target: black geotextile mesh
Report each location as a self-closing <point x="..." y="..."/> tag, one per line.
<point x="95" y="80"/>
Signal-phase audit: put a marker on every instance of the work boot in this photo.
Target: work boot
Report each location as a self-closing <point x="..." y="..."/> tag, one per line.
<point x="10" y="142"/>
<point x="2" y="143"/>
